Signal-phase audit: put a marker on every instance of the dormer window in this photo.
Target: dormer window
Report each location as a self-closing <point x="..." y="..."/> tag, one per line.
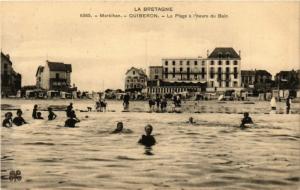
<point x="227" y="55"/>
<point x="133" y="72"/>
<point x="220" y="55"/>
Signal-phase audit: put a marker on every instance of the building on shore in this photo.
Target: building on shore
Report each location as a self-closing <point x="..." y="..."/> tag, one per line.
<point x="288" y="81"/>
<point x="257" y="81"/>
<point x="223" y="69"/>
<point x="10" y="80"/>
<point x="220" y="71"/>
<point x="135" y="80"/>
<point x="54" y="76"/>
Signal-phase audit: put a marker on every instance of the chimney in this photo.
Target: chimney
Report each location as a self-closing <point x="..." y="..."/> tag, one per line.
<point x="7" y="55"/>
<point x="207" y="53"/>
<point x="240" y="53"/>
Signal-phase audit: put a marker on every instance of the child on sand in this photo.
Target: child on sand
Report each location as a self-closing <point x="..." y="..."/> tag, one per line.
<point x="7" y="122"/>
<point x="51" y="115"/>
<point x="18" y="121"/>
<point x="148" y="139"/>
<point x="246" y="120"/>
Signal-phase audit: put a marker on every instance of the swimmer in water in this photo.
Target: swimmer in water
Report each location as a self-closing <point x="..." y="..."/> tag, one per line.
<point x="246" y="120"/>
<point x="191" y="120"/>
<point x="39" y="115"/>
<point x="120" y="129"/>
<point x="7" y="122"/>
<point x="51" y="115"/>
<point x="72" y="120"/>
<point x="147" y="140"/>
<point x="18" y="121"/>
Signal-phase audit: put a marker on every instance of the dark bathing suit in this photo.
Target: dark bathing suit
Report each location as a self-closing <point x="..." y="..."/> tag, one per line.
<point x="6" y="123"/>
<point x="18" y="121"/>
<point x="70" y="123"/>
<point x="147" y="140"/>
<point x="51" y="116"/>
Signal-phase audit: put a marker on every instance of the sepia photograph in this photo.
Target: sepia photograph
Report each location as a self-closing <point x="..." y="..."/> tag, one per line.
<point x="150" y="95"/>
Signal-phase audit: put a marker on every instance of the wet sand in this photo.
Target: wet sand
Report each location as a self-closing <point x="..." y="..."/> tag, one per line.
<point x="212" y="154"/>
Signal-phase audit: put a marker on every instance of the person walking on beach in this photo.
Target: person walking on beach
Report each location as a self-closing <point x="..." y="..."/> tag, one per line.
<point x="147" y="140"/>
<point x="34" y="116"/>
<point x="7" y="122"/>
<point x="157" y="100"/>
<point x="288" y="104"/>
<point x="126" y="101"/>
<point x="51" y="115"/>
<point x="163" y="105"/>
<point x="69" y="110"/>
<point x="72" y="120"/>
<point x="18" y="121"/>
<point x="273" y="104"/>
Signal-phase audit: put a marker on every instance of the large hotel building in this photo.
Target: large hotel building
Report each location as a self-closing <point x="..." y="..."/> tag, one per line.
<point x="220" y="71"/>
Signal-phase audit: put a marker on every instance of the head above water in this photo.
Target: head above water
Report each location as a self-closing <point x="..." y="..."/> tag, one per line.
<point x="148" y="129"/>
<point x="19" y="112"/>
<point x="39" y="114"/>
<point x="119" y="126"/>
<point x="246" y="114"/>
<point x="191" y="119"/>
<point x="49" y="109"/>
<point x="8" y="115"/>
<point x="35" y="106"/>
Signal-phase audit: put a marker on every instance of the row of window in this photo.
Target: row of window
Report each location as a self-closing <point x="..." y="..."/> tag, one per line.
<point x="212" y="62"/>
<point x="187" y="62"/>
<point x="202" y="76"/>
<point x="188" y="70"/>
<point x="135" y="80"/>
<point x="171" y="90"/>
<point x="134" y="86"/>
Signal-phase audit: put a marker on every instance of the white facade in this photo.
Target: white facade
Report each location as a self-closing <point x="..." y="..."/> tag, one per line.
<point x="135" y="79"/>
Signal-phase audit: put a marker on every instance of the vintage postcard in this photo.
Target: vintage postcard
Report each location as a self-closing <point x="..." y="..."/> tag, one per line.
<point x="143" y="95"/>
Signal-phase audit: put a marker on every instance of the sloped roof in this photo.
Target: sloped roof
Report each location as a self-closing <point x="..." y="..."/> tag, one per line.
<point x="58" y="66"/>
<point x="262" y="72"/>
<point x="40" y="69"/>
<point x="224" y="52"/>
<point x="139" y="71"/>
<point x="5" y="57"/>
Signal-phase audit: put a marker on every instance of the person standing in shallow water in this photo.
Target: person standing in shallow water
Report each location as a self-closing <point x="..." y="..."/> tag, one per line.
<point x="18" y="121"/>
<point x="69" y="110"/>
<point x="126" y="101"/>
<point x="288" y="104"/>
<point x="7" y="122"/>
<point x="147" y="140"/>
<point x="72" y="120"/>
<point x="51" y="115"/>
<point x="34" y="116"/>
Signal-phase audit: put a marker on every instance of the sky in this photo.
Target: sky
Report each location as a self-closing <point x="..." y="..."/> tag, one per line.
<point x="102" y="49"/>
